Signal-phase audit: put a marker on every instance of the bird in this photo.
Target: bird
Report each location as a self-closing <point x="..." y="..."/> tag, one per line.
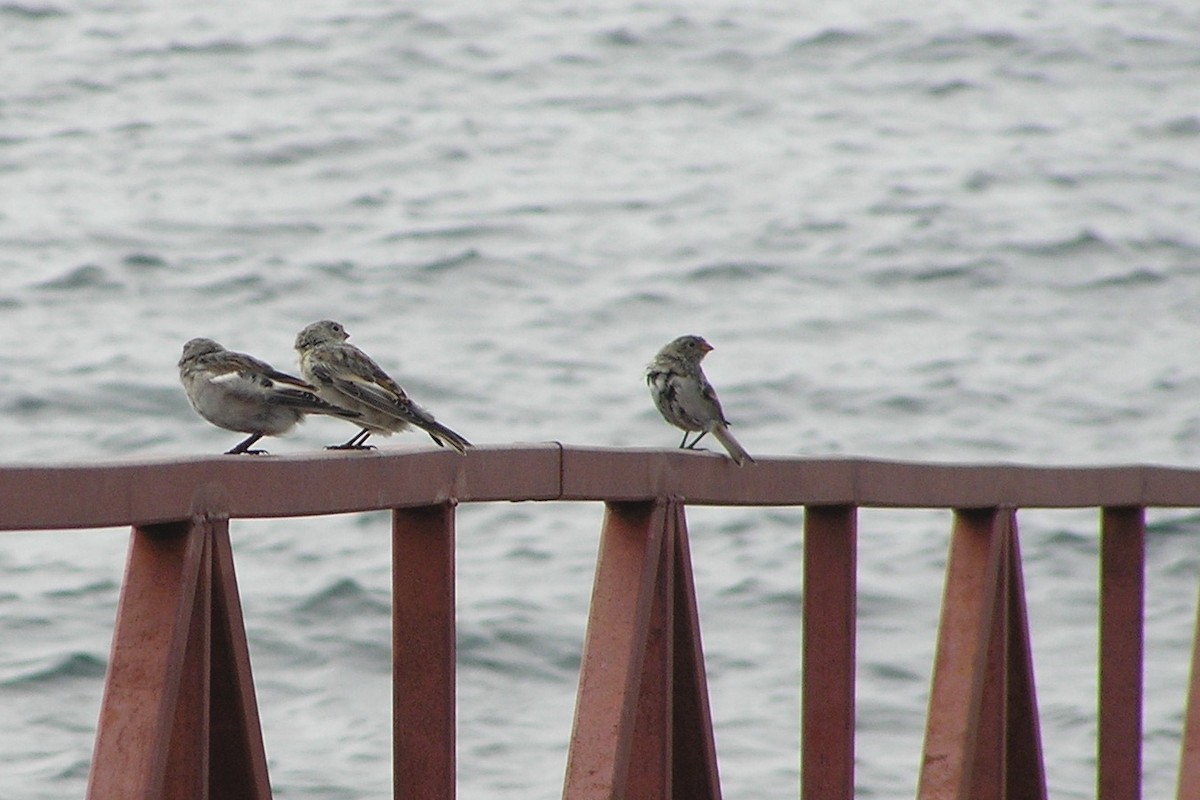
<point x="238" y="392"/>
<point x="346" y="376"/>
<point x="686" y="399"/>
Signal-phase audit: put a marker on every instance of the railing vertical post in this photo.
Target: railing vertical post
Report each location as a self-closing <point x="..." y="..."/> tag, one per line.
<point x="828" y="662"/>
<point x="1122" y="599"/>
<point x="423" y="653"/>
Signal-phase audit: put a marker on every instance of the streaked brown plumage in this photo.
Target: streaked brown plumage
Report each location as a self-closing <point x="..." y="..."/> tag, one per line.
<point x="346" y="376"/>
<point x="685" y="397"/>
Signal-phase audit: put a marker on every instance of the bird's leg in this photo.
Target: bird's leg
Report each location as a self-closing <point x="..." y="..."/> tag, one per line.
<point x="695" y="441"/>
<point x="355" y="442"/>
<point x="683" y="441"/>
<point x="243" y="446"/>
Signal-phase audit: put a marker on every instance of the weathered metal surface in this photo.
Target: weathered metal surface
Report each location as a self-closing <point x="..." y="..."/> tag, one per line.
<point x="1007" y="760"/>
<point x="143" y="493"/>
<point x="149" y="492"/>
<point x="179" y="715"/>
<point x="187" y="765"/>
<point x="178" y="718"/>
<point x="827" y="654"/>
<point x="982" y="739"/>
<point x="973" y="575"/>
<point x="238" y="759"/>
<point x="1025" y="776"/>
<point x="643" y="726"/>
<point x="694" y="749"/>
<point x="1122" y="600"/>
<point x="613" y="651"/>
<point x="649" y="773"/>
<point x="154" y="616"/>
<point x="708" y="478"/>
<point x="423" y="653"/>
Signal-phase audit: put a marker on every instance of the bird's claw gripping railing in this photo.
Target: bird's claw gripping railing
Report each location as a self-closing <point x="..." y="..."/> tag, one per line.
<point x="179" y="717"/>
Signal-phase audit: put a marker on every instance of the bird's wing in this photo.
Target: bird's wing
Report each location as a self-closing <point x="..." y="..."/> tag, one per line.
<point x="692" y="398"/>
<point x="398" y="405"/>
<point x="258" y="387"/>
<point x="710" y="396"/>
<point x="307" y="401"/>
<point x="353" y="373"/>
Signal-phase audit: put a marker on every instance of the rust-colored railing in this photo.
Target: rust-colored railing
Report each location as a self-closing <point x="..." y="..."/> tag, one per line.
<point x="179" y="717"/>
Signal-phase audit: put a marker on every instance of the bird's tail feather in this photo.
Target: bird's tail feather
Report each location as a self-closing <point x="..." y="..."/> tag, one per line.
<point x="310" y="403"/>
<point x="443" y="435"/>
<point x="344" y="413"/>
<point x="736" y="451"/>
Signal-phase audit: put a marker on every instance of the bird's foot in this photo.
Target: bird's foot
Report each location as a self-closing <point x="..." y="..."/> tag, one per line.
<point x="349" y="446"/>
<point x="236" y="452"/>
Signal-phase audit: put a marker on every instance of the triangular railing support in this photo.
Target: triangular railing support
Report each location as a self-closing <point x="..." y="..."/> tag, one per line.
<point x="982" y="740"/>
<point x="179" y="717"/>
<point x="643" y="726"/>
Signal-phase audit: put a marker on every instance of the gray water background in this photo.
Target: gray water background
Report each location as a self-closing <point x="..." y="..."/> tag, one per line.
<point x="947" y="231"/>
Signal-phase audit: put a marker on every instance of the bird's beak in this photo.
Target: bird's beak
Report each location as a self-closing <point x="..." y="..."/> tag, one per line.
<point x="708" y="348"/>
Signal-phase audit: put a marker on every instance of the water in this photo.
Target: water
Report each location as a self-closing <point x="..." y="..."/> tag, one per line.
<point x="947" y="232"/>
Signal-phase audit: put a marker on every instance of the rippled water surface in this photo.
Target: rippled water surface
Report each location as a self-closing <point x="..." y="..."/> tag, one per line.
<point x="946" y="232"/>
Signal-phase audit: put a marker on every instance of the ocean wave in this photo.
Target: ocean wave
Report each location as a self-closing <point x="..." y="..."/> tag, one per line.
<point x="1183" y="525"/>
<point x="292" y="153"/>
<point x="105" y="588"/>
<point x="1184" y="127"/>
<point x="31" y="12"/>
<point x="144" y="261"/>
<point x="517" y="648"/>
<point x="219" y="47"/>
<point x="345" y="598"/>
<point x="828" y="39"/>
<point x="980" y="273"/>
<point x="448" y="232"/>
<point x="733" y="271"/>
<point x="1083" y="242"/>
<point x="86" y="277"/>
<point x="947" y="46"/>
<point x="452" y="261"/>
<point x="1137" y="276"/>
<point x="65" y="668"/>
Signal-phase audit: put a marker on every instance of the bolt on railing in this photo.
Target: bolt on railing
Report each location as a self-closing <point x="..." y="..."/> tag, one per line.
<point x="179" y="716"/>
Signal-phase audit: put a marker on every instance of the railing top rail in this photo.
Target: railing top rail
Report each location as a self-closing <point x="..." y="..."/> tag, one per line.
<point x="143" y="492"/>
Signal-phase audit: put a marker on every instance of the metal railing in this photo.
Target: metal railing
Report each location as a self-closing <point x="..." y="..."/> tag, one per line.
<point x="179" y="718"/>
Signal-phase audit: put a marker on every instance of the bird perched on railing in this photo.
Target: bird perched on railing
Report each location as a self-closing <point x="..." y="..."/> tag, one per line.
<point x="685" y="397"/>
<point x="240" y="393"/>
<point x="348" y="377"/>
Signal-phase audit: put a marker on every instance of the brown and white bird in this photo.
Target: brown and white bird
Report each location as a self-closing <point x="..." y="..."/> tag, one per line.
<point x="240" y="393"/>
<point x="685" y="397"/>
<point x="348" y="377"/>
